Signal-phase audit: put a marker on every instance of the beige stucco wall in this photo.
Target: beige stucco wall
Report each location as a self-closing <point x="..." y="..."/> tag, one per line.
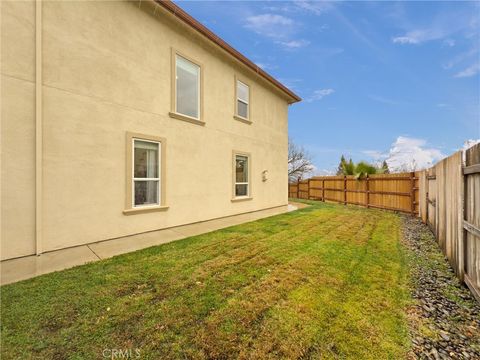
<point x="106" y="71"/>
<point x="17" y="128"/>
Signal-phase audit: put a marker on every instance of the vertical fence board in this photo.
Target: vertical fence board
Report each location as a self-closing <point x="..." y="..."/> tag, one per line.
<point x="472" y="216"/>
<point x="422" y="194"/>
<point x="443" y="184"/>
<point x="431" y="199"/>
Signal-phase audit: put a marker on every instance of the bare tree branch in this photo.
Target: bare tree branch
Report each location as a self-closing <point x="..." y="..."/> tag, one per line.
<point x="299" y="162"/>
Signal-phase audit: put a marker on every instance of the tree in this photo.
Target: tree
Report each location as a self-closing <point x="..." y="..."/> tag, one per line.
<point x="360" y="169"/>
<point x="341" y="165"/>
<point x="349" y="167"/>
<point x="363" y="168"/>
<point x="385" y="169"/>
<point x="299" y="162"/>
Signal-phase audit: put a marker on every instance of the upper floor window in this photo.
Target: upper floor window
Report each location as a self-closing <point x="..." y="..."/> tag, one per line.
<point x="187" y="87"/>
<point x="243" y="100"/>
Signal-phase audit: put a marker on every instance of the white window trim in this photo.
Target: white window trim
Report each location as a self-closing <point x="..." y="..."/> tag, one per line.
<point x="174" y="113"/>
<point x="247" y="86"/>
<point x="130" y="208"/>
<point x="158" y="179"/>
<point x="249" y="174"/>
<point x="248" y="102"/>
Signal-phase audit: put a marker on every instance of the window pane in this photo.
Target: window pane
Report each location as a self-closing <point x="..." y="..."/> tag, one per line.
<point x="188" y="80"/>
<point x="145" y="164"/>
<point x="242" y="109"/>
<point x="241" y="169"/>
<point x="146" y="192"/>
<point x="241" y="190"/>
<point x="242" y="91"/>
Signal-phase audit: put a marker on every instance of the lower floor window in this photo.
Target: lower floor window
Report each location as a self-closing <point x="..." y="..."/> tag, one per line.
<point x="146" y="173"/>
<point x="241" y="175"/>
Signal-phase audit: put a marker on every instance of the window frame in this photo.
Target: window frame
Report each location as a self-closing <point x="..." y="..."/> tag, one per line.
<point x="236" y="198"/>
<point x="130" y="207"/>
<point x="173" y="111"/>
<point x="146" y="179"/>
<point x="236" y="99"/>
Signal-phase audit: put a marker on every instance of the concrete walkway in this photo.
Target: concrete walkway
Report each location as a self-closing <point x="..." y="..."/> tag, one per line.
<point x="30" y="266"/>
<point x="296" y="205"/>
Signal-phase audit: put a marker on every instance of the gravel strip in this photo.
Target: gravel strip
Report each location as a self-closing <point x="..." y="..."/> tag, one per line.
<point x="444" y="317"/>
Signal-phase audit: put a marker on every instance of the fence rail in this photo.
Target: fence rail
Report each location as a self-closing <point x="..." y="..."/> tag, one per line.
<point x="398" y="192"/>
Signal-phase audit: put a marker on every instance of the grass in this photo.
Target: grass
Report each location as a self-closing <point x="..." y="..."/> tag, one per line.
<point x="326" y="282"/>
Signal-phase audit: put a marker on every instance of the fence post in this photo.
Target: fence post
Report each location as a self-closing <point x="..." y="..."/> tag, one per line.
<point x="298" y="188"/>
<point x="368" y="191"/>
<point x="308" y="194"/>
<point x="412" y="192"/>
<point x="323" y="190"/>
<point x="344" y="189"/>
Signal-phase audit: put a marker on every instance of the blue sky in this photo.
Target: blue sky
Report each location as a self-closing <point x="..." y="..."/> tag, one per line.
<point x="378" y="79"/>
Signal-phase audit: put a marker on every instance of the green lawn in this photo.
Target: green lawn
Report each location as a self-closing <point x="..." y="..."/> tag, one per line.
<point x="328" y="281"/>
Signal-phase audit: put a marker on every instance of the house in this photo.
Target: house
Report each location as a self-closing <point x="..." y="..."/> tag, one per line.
<point x="126" y="117"/>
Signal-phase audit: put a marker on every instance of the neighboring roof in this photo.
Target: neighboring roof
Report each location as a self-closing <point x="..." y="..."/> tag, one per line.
<point x="189" y="20"/>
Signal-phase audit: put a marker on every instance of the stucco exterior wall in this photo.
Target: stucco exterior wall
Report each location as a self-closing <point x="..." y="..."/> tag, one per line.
<point x="107" y="71"/>
<point x="17" y="128"/>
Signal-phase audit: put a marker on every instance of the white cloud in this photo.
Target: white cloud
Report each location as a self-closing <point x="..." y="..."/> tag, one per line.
<point x="441" y="28"/>
<point x="271" y="25"/>
<point x="447" y="28"/>
<point x="409" y="154"/>
<point x="457" y="25"/>
<point x="469" y="143"/>
<point x="324" y="172"/>
<point x="419" y="36"/>
<point x="405" y="40"/>
<point x="449" y="42"/>
<point x="319" y="94"/>
<point x="284" y="7"/>
<point x="469" y="71"/>
<point x="461" y="57"/>
<point x="315" y="7"/>
<point x="277" y="27"/>
<point x="374" y="154"/>
<point x="291" y="83"/>
<point x="294" y="44"/>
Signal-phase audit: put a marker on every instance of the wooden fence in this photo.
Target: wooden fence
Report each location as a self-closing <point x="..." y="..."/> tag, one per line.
<point x="398" y="192"/>
<point x="446" y="197"/>
<point x="450" y="204"/>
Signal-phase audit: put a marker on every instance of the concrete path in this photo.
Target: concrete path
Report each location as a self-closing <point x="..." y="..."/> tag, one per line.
<point x="30" y="266"/>
<point x="296" y="205"/>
